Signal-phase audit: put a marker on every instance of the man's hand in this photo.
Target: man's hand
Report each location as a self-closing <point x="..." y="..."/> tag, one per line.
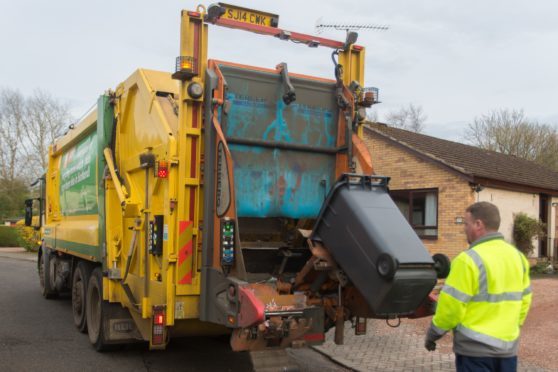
<point x="432" y="335"/>
<point x="429" y="345"/>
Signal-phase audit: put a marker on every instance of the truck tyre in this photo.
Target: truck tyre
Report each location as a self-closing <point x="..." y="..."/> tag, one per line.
<point x="94" y="310"/>
<point x="45" y="274"/>
<point x="80" y="280"/>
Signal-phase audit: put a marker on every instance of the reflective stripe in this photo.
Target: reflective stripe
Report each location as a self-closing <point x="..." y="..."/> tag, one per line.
<point x="437" y="330"/>
<point x="483" y="295"/>
<point x="527" y="290"/>
<point x="483" y="286"/>
<point x="506" y="296"/>
<point x="456" y="293"/>
<point x="486" y="339"/>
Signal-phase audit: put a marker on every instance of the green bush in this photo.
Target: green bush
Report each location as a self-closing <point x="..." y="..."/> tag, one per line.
<point x="29" y="238"/>
<point x="540" y="268"/>
<point x="526" y="228"/>
<point x="9" y="237"/>
<point x="19" y="236"/>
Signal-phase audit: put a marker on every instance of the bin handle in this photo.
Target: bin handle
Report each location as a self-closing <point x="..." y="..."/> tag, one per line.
<point x="366" y="179"/>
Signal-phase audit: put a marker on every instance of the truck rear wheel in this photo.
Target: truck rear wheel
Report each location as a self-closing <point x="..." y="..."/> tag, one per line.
<point x="95" y="313"/>
<point x="80" y="280"/>
<point x="46" y="275"/>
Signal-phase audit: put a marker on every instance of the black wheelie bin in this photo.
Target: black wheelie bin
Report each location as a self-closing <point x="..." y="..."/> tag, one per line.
<point x="375" y="246"/>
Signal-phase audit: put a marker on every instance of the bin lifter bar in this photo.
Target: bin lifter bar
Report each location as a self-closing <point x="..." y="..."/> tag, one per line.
<point x="120" y="191"/>
<point x="312" y="41"/>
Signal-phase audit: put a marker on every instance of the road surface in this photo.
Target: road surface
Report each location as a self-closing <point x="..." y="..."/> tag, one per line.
<point x="39" y="335"/>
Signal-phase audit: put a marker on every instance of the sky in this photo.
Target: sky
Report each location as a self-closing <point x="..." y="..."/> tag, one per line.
<point x="456" y="59"/>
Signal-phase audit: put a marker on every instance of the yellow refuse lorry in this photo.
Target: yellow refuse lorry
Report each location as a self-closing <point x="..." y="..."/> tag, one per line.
<point x="222" y="198"/>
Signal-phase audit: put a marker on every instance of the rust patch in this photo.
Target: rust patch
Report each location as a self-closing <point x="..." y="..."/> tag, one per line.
<point x="281" y="186"/>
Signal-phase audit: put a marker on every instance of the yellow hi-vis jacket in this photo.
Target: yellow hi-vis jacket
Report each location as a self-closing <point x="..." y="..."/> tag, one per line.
<point x="485" y="299"/>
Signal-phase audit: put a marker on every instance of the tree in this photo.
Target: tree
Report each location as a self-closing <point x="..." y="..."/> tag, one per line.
<point x="28" y="125"/>
<point x="409" y="117"/>
<point x="12" y="196"/>
<point x="372" y="116"/>
<point x="12" y="107"/>
<point x="525" y="229"/>
<point x="511" y="132"/>
<point x="27" y="128"/>
<point x="45" y="120"/>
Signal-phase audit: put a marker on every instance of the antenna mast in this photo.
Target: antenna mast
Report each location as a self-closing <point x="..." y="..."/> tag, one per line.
<point x="320" y="26"/>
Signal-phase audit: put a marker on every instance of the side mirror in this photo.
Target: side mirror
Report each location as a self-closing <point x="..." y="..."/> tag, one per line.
<point x="33" y="212"/>
<point x="28" y="212"/>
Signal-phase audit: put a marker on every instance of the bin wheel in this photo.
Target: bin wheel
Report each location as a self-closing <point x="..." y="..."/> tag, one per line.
<point x="45" y="274"/>
<point x="442" y="265"/>
<point x="79" y="293"/>
<point x="386" y="265"/>
<point x="95" y="310"/>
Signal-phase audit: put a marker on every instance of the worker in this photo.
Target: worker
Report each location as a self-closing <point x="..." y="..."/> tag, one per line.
<point x="485" y="298"/>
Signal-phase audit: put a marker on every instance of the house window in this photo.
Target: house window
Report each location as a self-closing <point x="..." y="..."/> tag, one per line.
<point x="420" y="208"/>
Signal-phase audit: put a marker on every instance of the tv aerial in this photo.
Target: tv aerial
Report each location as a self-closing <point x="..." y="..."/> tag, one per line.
<point x="321" y="26"/>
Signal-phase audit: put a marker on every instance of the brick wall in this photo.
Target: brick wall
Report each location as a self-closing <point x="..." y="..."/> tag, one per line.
<point x="408" y="171"/>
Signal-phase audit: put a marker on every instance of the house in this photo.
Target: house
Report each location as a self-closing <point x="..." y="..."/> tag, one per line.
<point x="434" y="180"/>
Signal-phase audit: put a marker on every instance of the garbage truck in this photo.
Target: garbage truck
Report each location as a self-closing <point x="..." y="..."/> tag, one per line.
<point x="221" y="198"/>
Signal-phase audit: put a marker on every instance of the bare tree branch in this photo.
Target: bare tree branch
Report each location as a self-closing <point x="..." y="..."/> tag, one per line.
<point x="45" y="120"/>
<point x="27" y="128"/>
<point x="12" y="106"/>
<point x="372" y="116"/>
<point x="410" y="117"/>
<point x="511" y="132"/>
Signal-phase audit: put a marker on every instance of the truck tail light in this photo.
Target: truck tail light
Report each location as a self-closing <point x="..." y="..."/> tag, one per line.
<point x="162" y="170"/>
<point x="159" y="330"/>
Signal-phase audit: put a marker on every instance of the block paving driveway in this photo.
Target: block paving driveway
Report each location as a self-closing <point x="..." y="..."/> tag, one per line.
<point x="384" y="348"/>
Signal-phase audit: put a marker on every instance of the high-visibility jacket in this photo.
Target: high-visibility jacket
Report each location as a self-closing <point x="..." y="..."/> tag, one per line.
<point x="485" y="299"/>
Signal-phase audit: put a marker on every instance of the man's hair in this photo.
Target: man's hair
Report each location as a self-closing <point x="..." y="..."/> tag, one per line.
<point x="486" y="212"/>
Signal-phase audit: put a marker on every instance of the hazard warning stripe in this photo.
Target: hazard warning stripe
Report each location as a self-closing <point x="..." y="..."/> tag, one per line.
<point x="185" y="261"/>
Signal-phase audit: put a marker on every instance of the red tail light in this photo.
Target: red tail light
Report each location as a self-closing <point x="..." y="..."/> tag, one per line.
<point x="162" y="169"/>
<point x="158" y="332"/>
<point x="159" y="319"/>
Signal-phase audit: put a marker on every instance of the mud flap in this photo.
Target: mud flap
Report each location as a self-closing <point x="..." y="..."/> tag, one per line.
<point x="119" y="327"/>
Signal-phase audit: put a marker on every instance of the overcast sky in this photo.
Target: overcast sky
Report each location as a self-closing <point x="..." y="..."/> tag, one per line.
<point x="457" y="59"/>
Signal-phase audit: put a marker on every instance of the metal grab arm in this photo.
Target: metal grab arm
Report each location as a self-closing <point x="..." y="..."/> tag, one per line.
<point x="120" y="190"/>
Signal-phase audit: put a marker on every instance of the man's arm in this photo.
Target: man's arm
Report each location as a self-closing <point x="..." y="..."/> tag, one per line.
<point x="460" y="286"/>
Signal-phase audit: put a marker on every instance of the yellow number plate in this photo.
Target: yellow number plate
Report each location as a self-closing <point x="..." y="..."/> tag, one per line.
<point x="253" y="17"/>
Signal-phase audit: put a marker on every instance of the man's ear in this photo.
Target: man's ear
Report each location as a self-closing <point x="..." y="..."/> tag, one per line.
<point x="480" y="225"/>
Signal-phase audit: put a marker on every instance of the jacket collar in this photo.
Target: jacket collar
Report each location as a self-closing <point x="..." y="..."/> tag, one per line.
<point x="487" y="237"/>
